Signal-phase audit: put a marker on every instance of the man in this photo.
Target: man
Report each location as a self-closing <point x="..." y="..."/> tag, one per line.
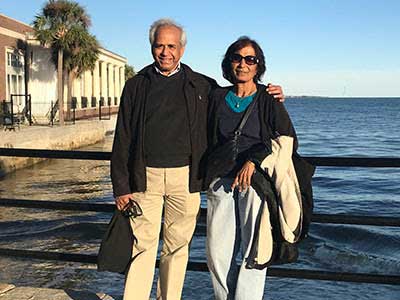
<point x="159" y="140"/>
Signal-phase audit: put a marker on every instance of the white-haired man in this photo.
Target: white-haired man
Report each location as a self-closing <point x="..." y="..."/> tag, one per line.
<point x="159" y="141"/>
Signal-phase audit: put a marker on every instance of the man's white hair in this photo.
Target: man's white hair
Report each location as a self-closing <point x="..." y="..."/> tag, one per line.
<point x="166" y="22"/>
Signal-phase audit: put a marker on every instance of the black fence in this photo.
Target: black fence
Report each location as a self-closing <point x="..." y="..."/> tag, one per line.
<point x="15" y="112"/>
<point x="200" y="229"/>
<point x="104" y="109"/>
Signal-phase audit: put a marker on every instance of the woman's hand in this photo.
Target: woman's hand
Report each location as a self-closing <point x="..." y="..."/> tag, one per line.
<point x="276" y="91"/>
<point x="122" y="201"/>
<point x="243" y="177"/>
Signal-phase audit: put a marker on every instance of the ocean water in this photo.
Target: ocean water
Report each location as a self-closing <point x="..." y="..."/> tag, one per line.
<point x="325" y="127"/>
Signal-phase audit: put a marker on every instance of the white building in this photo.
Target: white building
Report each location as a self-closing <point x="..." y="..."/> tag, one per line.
<point x="29" y="72"/>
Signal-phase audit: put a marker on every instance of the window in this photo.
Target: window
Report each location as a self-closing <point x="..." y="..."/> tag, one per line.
<point x="8" y="86"/>
<point x="20" y="89"/>
<point x="14" y="86"/>
<point x="15" y="60"/>
<point x="15" y="74"/>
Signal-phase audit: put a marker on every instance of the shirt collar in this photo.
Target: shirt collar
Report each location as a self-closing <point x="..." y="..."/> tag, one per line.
<point x="178" y="68"/>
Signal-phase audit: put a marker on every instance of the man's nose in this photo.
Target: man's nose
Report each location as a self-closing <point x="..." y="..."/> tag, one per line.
<point x="164" y="51"/>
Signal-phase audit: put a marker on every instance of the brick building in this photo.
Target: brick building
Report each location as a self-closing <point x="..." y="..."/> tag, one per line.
<point x="12" y="57"/>
<point x="26" y="70"/>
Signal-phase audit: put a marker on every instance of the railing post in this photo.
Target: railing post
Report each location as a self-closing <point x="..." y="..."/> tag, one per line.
<point x="100" y="105"/>
<point x="74" y="102"/>
<point x="51" y="113"/>
<point x="12" y="111"/>
<point x="30" y="109"/>
<point x="109" y="110"/>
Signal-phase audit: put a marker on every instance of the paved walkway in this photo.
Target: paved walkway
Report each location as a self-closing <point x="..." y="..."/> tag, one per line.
<point x="11" y="292"/>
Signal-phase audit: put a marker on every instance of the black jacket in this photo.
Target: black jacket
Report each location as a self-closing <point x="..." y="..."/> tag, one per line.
<point x="274" y="121"/>
<point x="128" y="166"/>
<point x="272" y="115"/>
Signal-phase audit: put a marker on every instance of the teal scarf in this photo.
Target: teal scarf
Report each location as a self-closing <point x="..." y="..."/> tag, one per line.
<point x="236" y="103"/>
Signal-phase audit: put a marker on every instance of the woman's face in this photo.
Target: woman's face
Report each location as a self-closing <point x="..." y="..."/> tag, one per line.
<point x="242" y="71"/>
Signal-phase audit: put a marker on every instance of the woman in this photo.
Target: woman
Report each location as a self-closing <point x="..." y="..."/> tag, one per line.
<point x="233" y="203"/>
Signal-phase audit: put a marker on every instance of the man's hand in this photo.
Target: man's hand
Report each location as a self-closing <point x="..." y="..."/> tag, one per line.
<point x="276" y="92"/>
<point x="243" y="177"/>
<point x="122" y="201"/>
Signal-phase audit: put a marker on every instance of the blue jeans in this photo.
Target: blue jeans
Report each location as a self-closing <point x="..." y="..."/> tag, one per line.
<point x="231" y="216"/>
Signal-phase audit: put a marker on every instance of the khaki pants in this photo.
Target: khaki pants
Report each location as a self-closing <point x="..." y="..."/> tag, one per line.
<point x="168" y="188"/>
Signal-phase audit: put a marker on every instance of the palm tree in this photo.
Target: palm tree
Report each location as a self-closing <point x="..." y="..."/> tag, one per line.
<point x="129" y="71"/>
<point x="52" y="27"/>
<point x="82" y="54"/>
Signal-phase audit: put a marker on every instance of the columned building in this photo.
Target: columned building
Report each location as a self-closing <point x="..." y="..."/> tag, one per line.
<point x="26" y="70"/>
<point x="12" y="61"/>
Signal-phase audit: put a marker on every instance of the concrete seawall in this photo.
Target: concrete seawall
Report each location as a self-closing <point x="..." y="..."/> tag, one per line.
<point x="68" y="137"/>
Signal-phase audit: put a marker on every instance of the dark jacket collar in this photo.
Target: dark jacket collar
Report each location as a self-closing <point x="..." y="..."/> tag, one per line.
<point x="190" y="74"/>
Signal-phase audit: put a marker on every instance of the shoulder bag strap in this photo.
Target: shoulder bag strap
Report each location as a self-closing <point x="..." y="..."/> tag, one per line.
<point x="249" y="109"/>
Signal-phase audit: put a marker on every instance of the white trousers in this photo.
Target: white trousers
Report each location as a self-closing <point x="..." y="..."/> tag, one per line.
<point x="231" y="216"/>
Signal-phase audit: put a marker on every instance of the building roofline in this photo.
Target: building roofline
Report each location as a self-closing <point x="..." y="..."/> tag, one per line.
<point x="15" y="20"/>
<point x="108" y="52"/>
<point x="102" y="49"/>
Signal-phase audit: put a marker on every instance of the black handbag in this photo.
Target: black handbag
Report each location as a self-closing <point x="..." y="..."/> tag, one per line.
<point x="222" y="159"/>
<point x="115" y="252"/>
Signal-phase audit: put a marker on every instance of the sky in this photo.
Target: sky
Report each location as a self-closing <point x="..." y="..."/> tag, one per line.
<point x="334" y="48"/>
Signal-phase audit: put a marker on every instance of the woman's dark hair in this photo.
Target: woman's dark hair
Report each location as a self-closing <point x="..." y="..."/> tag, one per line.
<point x="242" y="42"/>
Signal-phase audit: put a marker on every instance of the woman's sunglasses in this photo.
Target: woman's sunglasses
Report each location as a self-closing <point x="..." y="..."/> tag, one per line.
<point x="249" y="59"/>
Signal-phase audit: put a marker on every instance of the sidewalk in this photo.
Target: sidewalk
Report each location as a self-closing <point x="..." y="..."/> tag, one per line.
<point x="11" y="292"/>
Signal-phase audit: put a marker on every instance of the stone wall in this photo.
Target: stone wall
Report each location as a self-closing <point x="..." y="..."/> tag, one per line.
<point x="69" y="137"/>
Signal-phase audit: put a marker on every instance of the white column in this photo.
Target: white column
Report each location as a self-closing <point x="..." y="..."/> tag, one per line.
<point x="122" y="77"/>
<point x="96" y="81"/>
<point x="117" y="92"/>
<point x="110" y="82"/>
<point x="76" y="91"/>
<point x="103" y="91"/>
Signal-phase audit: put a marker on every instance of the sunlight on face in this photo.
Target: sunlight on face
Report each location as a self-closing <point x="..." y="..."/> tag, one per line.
<point x="167" y="49"/>
<point x="242" y="71"/>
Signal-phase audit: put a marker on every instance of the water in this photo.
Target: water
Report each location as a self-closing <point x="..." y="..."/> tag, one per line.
<point x="325" y="127"/>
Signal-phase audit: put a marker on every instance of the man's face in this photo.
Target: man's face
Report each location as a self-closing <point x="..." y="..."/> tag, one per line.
<point x="167" y="49"/>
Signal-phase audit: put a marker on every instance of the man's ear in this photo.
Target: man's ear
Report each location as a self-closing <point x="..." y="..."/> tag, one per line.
<point x="182" y="51"/>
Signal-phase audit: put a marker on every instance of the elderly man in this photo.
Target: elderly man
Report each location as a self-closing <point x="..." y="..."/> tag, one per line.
<point x="159" y="140"/>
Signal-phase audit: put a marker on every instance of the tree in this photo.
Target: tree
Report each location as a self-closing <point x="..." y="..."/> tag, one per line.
<point x="129" y="72"/>
<point x="52" y="28"/>
<point x="81" y="55"/>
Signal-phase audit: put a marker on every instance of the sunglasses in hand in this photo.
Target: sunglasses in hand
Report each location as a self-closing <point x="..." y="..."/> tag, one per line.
<point x="132" y="209"/>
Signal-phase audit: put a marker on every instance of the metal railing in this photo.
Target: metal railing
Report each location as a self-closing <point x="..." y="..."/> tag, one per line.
<point x="103" y="116"/>
<point x="11" y="114"/>
<point x="53" y="112"/>
<point x="200" y="229"/>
